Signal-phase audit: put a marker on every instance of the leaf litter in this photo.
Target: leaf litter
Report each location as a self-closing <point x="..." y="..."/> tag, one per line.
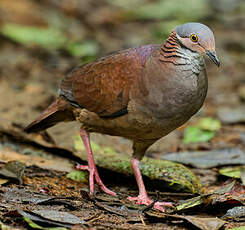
<point x="29" y="76"/>
<point x="120" y="208"/>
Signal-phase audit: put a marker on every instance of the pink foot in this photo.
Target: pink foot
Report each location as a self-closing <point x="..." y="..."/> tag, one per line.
<point x="93" y="174"/>
<point x="91" y="167"/>
<point x="143" y="198"/>
<point x="146" y="201"/>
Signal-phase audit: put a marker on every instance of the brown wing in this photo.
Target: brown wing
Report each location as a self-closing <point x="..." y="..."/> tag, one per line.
<point x="103" y="86"/>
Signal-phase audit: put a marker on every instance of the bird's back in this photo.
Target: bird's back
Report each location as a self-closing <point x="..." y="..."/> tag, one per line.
<point x="103" y="86"/>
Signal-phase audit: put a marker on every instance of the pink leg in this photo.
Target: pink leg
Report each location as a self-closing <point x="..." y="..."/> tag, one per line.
<point x="93" y="173"/>
<point x="143" y="198"/>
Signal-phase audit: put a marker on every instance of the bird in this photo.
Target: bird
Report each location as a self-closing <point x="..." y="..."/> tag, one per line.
<point x="141" y="94"/>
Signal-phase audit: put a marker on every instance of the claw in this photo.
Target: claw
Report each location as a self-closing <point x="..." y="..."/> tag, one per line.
<point x="146" y="201"/>
<point x="143" y="198"/>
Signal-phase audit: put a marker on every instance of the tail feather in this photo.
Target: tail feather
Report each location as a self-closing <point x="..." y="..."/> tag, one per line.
<point x="59" y="110"/>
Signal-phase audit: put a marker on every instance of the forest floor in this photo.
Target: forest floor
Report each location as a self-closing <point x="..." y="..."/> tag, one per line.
<point x="34" y="186"/>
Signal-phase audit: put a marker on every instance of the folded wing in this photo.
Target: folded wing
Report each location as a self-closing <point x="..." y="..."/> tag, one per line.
<point x="103" y="86"/>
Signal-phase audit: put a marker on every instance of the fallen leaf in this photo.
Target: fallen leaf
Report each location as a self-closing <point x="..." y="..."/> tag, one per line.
<point x="78" y="175"/>
<point x="226" y="188"/>
<point x="50" y="38"/>
<point x="36" y="226"/>
<point x="24" y="196"/>
<point x="203" y="131"/>
<point x="208" y="159"/>
<point x="33" y="149"/>
<point x="205" y="223"/>
<point x="231" y="193"/>
<point x="46" y="161"/>
<point x="235" y="213"/>
<point x="210" y="124"/>
<point x="235" y="172"/>
<point x="3" y="181"/>
<point x="14" y="170"/>
<point x="131" y="214"/>
<point x="194" y="134"/>
<point x="84" y="48"/>
<point x="190" y="203"/>
<point x="238" y="228"/>
<point x="59" y="216"/>
<point x="56" y="218"/>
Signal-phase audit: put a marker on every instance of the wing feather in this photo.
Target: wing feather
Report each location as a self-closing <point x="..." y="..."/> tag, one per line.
<point x="103" y="86"/>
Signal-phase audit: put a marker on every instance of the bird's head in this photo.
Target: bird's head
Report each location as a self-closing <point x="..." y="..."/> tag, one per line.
<point x="198" y="38"/>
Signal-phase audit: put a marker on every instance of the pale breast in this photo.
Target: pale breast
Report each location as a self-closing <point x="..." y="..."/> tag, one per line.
<point x="174" y="94"/>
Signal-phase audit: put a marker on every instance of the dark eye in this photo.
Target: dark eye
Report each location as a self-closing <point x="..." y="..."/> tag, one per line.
<point x="194" y="38"/>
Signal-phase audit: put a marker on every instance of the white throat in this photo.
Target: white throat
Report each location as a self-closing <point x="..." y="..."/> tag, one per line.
<point x="192" y="59"/>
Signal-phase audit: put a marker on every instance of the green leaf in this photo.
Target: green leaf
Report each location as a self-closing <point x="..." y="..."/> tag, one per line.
<point x="235" y="172"/>
<point x="203" y="131"/>
<point x="77" y="175"/>
<point x="209" y="124"/>
<point x="36" y="226"/>
<point x="192" y="202"/>
<point x="193" y="134"/>
<point x="32" y="224"/>
<point x="29" y="35"/>
<point x="238" y="228"/>
<point x="86" y="48"/>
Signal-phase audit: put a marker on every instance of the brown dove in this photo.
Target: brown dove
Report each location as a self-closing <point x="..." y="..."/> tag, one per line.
<point x="141" y="94"/>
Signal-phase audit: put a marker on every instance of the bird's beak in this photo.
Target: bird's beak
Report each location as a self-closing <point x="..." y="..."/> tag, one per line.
<point x="212" y="55"/>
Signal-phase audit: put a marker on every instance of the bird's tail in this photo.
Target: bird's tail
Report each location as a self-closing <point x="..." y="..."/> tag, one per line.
<point x="59" y="110"/>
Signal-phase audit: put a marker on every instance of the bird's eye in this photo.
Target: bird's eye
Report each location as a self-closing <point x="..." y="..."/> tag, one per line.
<point x="194" y="38"/>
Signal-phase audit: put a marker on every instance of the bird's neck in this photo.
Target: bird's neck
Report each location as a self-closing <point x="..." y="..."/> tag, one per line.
<point x="172" y="51"/>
